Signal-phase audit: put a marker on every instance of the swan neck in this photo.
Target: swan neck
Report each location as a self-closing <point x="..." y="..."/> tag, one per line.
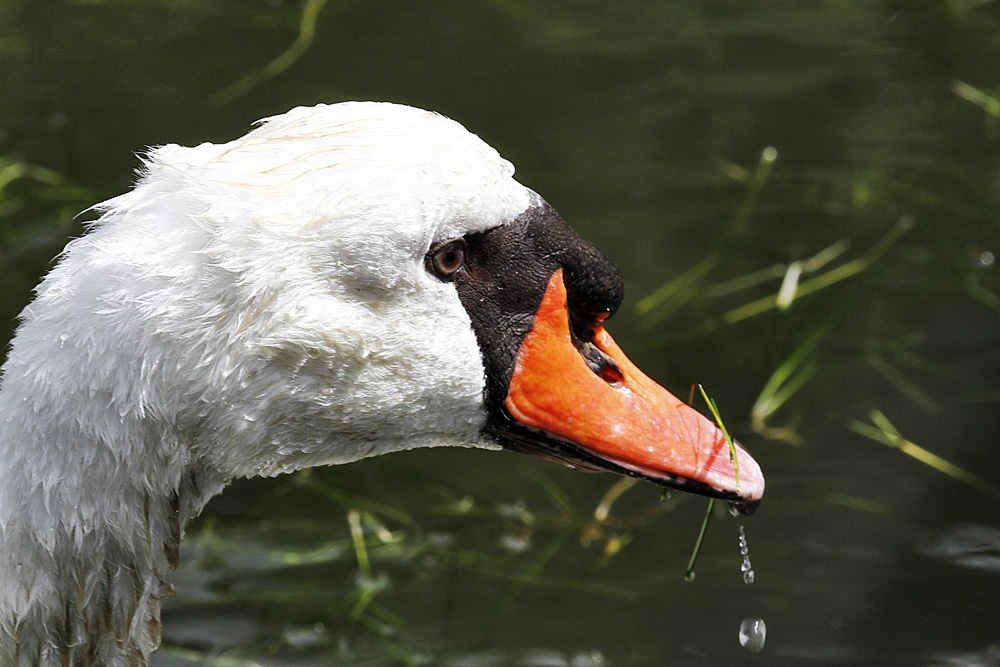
<point x="88" y="537"/>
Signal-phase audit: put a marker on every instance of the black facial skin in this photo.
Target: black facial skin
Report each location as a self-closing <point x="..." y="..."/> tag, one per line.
<point x="501" y="276"/>
<point x="503" y="280"/>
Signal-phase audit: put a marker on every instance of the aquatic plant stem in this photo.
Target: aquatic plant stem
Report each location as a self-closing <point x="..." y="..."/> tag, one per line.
<point x="791" y="375"/>
<point x="603" y="508"/>
<point x="725" y="433"/>
<point x="681" y="289"/>
<point x="349" y="501"/>
<point x="883" y="431"/>
<point x="824" y="280"/>
<point x="988" y="103"/>
<point x="689" y="572"/>
<point x="358" y="538"/>
<point x="307" y="31"/>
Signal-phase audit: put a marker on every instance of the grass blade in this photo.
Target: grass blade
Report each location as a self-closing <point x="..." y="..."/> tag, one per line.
<point x="883" y="431"/>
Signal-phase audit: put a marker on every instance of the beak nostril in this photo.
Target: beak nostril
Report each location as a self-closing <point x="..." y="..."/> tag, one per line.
<point x="601" y="364"/>
<point x="583" y="332"/>
<point x="610" y="374"/>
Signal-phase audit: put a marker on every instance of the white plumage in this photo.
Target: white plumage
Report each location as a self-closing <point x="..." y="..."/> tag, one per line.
<point x="249" y="308"/>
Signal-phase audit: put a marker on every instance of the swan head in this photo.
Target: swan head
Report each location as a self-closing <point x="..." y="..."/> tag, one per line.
<point x="352" y="279"/>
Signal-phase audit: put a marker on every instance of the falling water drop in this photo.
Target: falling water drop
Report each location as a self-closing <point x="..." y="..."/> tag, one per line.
<point x="746" y="568"/>
<point x="752" y="634"/>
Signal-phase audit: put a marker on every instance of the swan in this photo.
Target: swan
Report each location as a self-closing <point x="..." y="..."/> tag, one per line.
<point x="343" y="281"/>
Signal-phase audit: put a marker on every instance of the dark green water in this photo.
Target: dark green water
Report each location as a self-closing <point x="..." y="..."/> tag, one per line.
<point x="644" y="124"/>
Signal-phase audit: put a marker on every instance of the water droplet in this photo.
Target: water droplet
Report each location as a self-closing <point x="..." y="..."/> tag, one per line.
<point x="746" y="568"/>
<point x="752" y="634"/>
<point x="689" y="576"/>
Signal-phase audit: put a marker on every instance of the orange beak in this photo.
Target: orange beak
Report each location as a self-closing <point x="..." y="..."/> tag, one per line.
<point x="615" y="417"/>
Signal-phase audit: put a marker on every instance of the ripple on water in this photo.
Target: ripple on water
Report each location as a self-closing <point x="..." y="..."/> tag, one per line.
<point x="968" y="545"/>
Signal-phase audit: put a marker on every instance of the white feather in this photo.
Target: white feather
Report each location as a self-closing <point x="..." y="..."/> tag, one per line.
<point x="248" y="308"/>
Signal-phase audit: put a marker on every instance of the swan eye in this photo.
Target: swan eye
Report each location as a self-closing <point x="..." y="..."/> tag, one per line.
<point x="447" y="258"/>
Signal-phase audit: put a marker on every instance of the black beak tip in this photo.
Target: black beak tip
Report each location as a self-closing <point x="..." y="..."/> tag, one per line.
<point x="743" y="507"/>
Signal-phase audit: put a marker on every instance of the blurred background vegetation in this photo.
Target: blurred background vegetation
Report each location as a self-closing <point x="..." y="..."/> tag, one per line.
<point x="803" y="198"/>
